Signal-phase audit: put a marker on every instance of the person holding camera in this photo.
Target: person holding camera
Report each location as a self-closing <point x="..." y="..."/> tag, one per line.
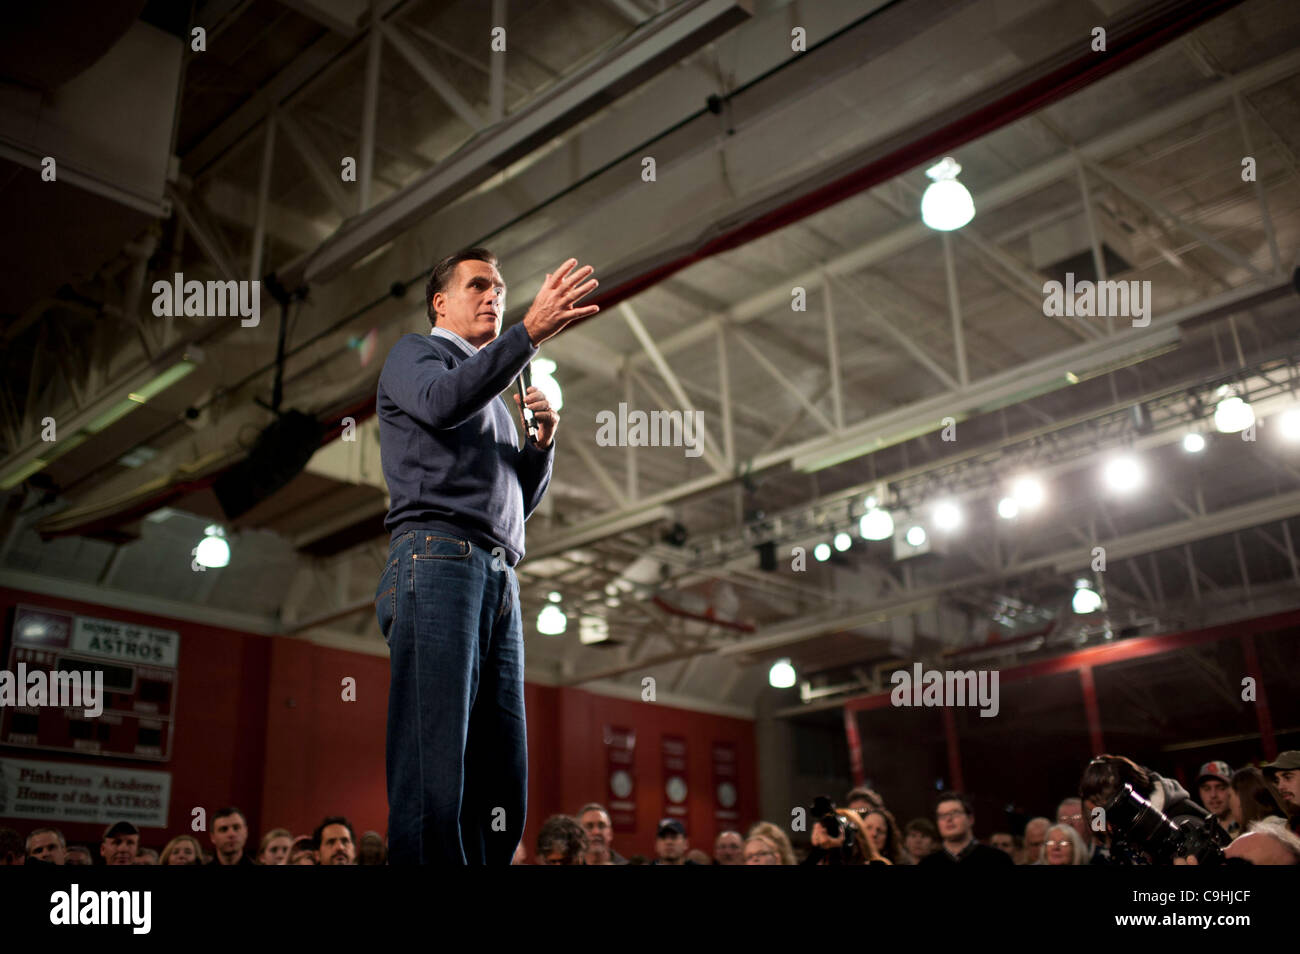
<point x="1149" y="819"/>
<point x="839" y="837"/>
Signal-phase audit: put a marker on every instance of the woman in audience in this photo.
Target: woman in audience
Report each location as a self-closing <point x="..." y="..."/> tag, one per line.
<point x="275" y="847"/>
<point x="772" y="839"/>
<point x="883" y="832"/>
<point x="182" y="850"/>
<point x="1253" y="797"/>
<point x="1063" y="847"/>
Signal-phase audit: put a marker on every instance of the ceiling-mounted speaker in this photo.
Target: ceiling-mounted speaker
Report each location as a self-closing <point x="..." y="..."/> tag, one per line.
<point x="278" y="456"/>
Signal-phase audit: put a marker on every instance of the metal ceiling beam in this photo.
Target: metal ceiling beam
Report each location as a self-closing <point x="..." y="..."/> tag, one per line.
<point x="661" y="42"/>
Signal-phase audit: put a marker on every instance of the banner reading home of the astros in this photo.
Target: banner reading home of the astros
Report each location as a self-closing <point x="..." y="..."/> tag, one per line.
<point x="67" y="792"/>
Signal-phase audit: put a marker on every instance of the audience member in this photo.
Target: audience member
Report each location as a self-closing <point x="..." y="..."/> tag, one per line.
<point x="275" y="846"/>
<point x="146" y="856"/>
<point x="47" y="844"/>
<point x="1063" y="846"/>
<point x="1253" y="797"/>
<point x="12" y="851"/>
<point x="121" y="843"/>
<point x="1284" y="773"/>
<point x="863" y="800"/>
<point x="1035" y="835"/>
<point x="520" y="856"/>
<point x="671" y="844"/>
<point x="600" y="835"/>
<point x="921" y="839"/>
<point x="1071" y="812"/>
<point x="229" y="834"/>
<point x="80" y="855"/>
<point x="1005" y="841"/>
<point x="842" y="840"/>
<point x="335" y="842"/>
<point x="1213" y="792"/>
<point x="373" y="850"/>
<point x="182" y="850"/>
<point x="1268" y="842"/>
<point x="956" y="819"/>
<point x="775" y="838"/>
<point x="729" y="849"/>
<point x="884" y="835"/>
<point x="302" y="851"/>
<point x="760" y="851"/>
<point x="561" y="841"/>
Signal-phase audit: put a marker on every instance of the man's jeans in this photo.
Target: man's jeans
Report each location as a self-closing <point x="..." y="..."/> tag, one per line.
<point x="457" y="748"/>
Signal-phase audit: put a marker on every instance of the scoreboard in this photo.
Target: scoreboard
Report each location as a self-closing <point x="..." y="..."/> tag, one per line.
<point x="139" y="667"/>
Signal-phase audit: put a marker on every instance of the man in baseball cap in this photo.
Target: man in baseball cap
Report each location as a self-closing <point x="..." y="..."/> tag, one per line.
<point x="120" y="844"/>
<point x="1214" y="788"/>
<point x="1284" y="772"/>
<point x="670" y="843"/>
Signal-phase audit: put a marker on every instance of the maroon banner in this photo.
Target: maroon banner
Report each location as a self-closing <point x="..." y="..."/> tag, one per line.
<point x="675" y="774"/>
<point x="726" y="788"/>
<point x="620" y="777"/>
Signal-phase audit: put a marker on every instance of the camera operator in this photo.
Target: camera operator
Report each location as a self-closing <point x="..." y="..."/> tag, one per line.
<point x="839" y="837"/>
<point x="1149" y="819"/>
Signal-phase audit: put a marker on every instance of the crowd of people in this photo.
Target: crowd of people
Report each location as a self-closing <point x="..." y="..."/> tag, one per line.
<point x="1251" y="815"/>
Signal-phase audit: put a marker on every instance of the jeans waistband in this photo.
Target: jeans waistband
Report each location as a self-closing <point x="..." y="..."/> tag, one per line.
<point x="480" y="540"/>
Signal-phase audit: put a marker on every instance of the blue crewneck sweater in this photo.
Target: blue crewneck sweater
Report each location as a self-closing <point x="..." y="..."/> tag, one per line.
<point x="449" y="445"/>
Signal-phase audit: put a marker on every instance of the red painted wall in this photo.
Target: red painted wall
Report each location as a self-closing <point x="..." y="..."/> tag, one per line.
<point x="261" y="723"/>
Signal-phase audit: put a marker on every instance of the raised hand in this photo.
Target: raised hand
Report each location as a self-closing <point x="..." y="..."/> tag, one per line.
<point x="556" y="301"/>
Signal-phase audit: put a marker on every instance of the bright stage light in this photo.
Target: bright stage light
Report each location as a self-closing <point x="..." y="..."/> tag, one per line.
<point x="916" y="536"/>
<point x="1123" y="474"/>
<point x="947" y="516"/>
<point x="1193" y="442"/>
<point x="781" y="675"/>
<point x="1028" y="492"/>
<point x="946" y="204"/>
<point x="551" y="621"/>
<point x="213" y="551"/>
<point x="1008" y="509"/>
<point x="876" y="524"/>
<point x="822" y="552"/>
<point x="1086" y="600"/>
<point x="843" y="541"/>
<point x="1288" y="424"/>
<point x="1232" y="414"/>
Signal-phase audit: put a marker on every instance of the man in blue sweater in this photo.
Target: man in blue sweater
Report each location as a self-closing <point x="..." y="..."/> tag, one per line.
<point x="448" y="600"/>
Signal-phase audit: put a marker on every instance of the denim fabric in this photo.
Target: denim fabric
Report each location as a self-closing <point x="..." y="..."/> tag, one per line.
<point x="457" y="749"/>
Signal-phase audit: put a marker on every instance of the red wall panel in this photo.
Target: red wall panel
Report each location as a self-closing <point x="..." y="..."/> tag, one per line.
<point x="261" y="723"/>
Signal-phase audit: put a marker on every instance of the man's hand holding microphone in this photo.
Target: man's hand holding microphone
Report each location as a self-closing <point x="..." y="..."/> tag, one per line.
<point x="554" y="307"/>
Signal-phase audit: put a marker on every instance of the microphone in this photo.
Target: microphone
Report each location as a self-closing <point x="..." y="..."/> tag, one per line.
<point x="524" y="382"/>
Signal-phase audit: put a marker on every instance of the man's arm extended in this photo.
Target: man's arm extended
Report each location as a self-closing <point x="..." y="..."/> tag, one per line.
<point x="419" y="380"/>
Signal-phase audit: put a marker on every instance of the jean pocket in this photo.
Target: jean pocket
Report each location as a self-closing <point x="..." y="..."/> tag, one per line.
<point x="431" y="546"/>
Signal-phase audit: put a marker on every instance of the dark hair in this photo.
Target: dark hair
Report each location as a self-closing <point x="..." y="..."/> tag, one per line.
<point x="11" y="844"/>
<point x="562" y="832"/>
<point x="1257" y="795"/>
<point x="320" y="830"/>
<point x="226" y="812"/>
<point x="893" y="839"/>
<point x="924" y="826"/>
<point x="1105" y="777"/>
<point x="953" y="797"/>
<point x="443" y="271"/>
